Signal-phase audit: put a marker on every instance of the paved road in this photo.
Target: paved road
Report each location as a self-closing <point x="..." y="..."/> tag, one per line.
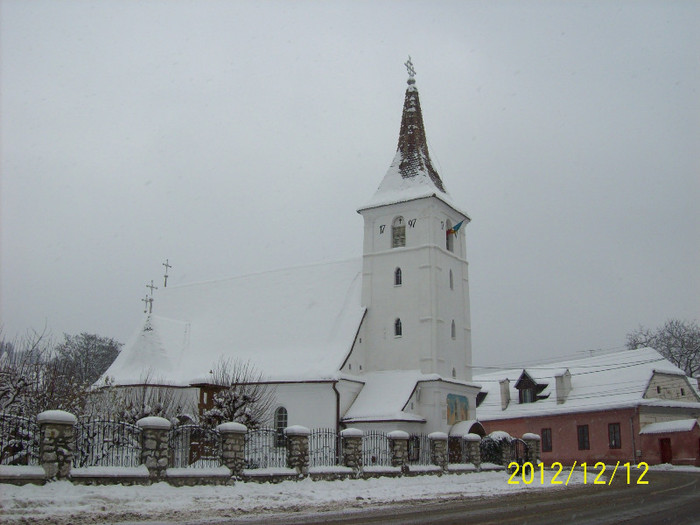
<point x="670" y="497"/>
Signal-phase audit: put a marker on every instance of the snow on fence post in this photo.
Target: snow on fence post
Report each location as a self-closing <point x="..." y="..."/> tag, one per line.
<point x="233" y="446"/>
<point x="533" y="447"/>
<point x="438" y="449"/>
<point x="472" y="442"/>
<point x="352" y="448"/>
<point x="56" y="442"/>
<point x="155" y="449"/>
<point x="298" y="449"/>
<point x="398" y="444"/>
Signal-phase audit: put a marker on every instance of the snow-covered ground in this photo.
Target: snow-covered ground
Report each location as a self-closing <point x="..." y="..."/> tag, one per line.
<point x="62" y="502"/>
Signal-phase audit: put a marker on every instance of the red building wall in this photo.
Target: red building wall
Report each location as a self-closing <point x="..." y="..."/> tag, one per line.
<point x="685" y="447"/>
<point x="565" y="435"/>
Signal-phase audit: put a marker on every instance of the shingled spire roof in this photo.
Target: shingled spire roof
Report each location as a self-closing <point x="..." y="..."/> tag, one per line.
<point x="411" y="174"/>
<point x="412" y="151"/>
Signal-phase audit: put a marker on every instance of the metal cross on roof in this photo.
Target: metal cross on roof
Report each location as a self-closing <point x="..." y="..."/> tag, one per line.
<point x="410" y="68"/>
<point x="167" y="267"/>
<point x="151" y="286"/>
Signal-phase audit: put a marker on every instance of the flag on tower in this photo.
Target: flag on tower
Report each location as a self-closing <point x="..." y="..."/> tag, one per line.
<point x="455" y="228"/>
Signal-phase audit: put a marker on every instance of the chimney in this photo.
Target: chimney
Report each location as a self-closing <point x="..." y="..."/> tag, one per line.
<point x="505" y="393"/>
<point x="563" y="386"/>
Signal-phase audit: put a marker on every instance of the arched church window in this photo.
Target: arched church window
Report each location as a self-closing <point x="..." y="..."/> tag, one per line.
<point x="397" y="277"/>
<point x="398" y="233"/>
<point x="453" y="329"/>
<point x="280" y="424"/>
<point x="398" y="331"/>
<point x="449" y="236"/>
<point x="452" y="281"/>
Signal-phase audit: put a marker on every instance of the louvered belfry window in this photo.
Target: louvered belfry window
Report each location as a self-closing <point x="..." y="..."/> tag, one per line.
<point x="398" y="233"/>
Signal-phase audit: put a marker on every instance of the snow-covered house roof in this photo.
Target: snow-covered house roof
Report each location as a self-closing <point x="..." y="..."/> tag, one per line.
<point x="614" y="380"/>
<point x="411" y="174"/>
<point x="292" y="325"/>
<point x="665" y="427"/>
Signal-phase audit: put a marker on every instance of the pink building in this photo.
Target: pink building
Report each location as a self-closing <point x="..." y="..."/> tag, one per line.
<point x="628" y="406"/>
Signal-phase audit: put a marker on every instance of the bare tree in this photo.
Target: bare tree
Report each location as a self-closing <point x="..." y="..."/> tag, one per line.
<point x="678" y="341"/>
<point x="242" y="395"/>
<point x="87" y="356"/>
<point x="33" y="380"/>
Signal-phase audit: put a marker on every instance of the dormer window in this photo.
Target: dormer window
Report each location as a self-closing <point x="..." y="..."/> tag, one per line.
<point x="398" y="233"/>
<point x="529" y="390"/>
<point x="397" y="277"/>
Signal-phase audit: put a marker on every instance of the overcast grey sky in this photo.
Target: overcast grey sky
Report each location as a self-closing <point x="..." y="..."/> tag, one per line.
<point x="235" y="137"/>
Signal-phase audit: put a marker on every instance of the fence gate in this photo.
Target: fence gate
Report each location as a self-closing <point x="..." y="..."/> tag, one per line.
<point x="518" y="451"/>
<point x="194" y="446"/>
<point x="375" y="449"/>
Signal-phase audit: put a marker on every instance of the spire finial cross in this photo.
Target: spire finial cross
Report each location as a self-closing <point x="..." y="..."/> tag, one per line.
<point x="410" y="68"/>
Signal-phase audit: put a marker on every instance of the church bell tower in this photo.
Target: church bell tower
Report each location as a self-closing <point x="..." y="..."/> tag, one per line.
<point x="415" y="282"/>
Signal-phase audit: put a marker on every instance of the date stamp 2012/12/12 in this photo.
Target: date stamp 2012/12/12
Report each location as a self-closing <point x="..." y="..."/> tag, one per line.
<point x="595" y="475"/>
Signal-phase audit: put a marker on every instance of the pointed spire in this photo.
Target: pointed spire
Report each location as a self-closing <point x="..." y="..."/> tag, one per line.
<point x="413" y="146"/>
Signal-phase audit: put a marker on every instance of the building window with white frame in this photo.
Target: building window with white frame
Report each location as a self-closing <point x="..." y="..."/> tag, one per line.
<point x="398" y="233"/>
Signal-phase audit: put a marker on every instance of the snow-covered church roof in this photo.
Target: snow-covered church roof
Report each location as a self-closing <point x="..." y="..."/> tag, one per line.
<point x="292" y="325"/>
<point x="411" y="174"/>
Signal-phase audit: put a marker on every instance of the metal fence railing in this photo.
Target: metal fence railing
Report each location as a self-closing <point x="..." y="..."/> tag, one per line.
<point x="104" y="442"/>
<point x="265" y="448"/>
<point x="19" y="440"/>
<point x="324" y="447"/>
<point x="419" y="449"/>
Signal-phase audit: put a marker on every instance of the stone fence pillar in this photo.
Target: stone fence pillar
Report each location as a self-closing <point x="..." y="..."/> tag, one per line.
<point x="534" y="450"/>
<point x="298" y="449"/>
<point x="398" y="444"/>
<point x="438" y="449"/>
<point x="351" y="441"/>
<point x="155" y="450"/>
<point x="56" y="442"/>
<point x="233" y="446"/>
<point x="472" y="444"/>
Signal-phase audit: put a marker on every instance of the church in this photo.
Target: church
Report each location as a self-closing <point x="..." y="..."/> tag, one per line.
<point x="380" y="342"/>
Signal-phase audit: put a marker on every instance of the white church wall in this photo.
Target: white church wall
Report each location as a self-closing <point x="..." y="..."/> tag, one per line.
<point x="312" y="405"/>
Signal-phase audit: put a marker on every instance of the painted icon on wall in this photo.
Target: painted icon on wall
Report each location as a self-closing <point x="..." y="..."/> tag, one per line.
<point x="457" y="409"/>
